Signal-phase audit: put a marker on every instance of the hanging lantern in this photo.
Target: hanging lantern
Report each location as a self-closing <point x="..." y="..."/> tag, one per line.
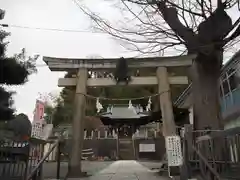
<point x="148" y="108"/>
<point x="98" y="106"/>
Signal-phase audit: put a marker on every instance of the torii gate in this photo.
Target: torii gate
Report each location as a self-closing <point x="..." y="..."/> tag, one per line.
<point x="81" y="81"/>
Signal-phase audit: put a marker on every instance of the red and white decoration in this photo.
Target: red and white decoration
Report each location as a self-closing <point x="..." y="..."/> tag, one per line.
<point x="38" y="120"/>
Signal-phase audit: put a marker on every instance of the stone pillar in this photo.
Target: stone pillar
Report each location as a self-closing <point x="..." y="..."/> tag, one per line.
<point x="99" y="134"/>
<point x="155" y="133"/>
<point x="74" y="165"/>
<point x="114" y="133"/>
<point x="92" y="134"/>
<point x="137" y="133"/>
<point x="169" y="127"/>
<point x="191" y="117"/>
<point x="146" y="133"/>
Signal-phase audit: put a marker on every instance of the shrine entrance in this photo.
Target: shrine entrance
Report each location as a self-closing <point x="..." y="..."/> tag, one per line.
<point x="125" y="131"/>
<point x="122" y="77"/>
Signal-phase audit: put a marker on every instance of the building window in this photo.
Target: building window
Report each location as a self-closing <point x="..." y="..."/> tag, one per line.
<point x="224" y="76"/>
<point x="231" y="71"/>
<point x="226" y="88"/>
<point x="221" y="89"/>
<point x="234" y="80"/>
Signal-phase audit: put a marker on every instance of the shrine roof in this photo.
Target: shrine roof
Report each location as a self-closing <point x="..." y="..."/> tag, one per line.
<point x="123" y="112"/>
<point x="124" y="115"/>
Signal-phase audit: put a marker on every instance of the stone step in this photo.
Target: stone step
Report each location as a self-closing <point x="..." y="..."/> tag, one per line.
<point x="125" y="142"/>
<point x="126" y="149"/>
<point x="125" y="146"/>
<point x="126" y="153"/>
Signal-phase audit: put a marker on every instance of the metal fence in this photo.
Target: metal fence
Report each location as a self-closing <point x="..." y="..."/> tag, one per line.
<point x="18" y="158"/>
<point x="215" y="154"/>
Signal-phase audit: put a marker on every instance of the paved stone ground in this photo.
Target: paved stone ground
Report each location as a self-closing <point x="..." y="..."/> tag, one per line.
<point x="116" y="170"/>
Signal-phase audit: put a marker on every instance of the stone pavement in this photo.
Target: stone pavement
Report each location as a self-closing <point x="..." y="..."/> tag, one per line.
<point x="127" y="170"/>
<point x="124" y="170"/>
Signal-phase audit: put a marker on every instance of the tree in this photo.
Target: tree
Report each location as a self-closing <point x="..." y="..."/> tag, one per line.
<point x="18" y="128"/>
<point x="62" y="111"/>
<point x="20" y="125"/>
<point x="14" y="71"/>
<point x="200" y="27"/>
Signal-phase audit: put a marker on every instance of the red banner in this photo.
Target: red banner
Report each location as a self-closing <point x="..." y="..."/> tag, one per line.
<point x="39" y="111"/>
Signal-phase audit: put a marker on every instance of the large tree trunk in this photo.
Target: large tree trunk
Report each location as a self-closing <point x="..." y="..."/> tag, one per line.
<point x="206" y="93"/>
<point x="206" y="90"/>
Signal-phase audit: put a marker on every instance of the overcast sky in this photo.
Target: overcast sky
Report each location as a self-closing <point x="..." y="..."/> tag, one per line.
<point x="60" y="14"/>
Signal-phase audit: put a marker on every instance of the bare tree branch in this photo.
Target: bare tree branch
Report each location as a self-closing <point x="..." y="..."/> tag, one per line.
<point x="171" y="17"/>
<point x="160" y="24"/>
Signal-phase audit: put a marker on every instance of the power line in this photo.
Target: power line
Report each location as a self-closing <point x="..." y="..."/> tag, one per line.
<point x="49" y="29"/>
<point x="81" y="31"/>
<point x="92" y="32"/>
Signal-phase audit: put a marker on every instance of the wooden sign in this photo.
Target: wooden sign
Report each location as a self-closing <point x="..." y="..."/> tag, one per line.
<point x="146" y="147"/>
<point x="174" y="151"/>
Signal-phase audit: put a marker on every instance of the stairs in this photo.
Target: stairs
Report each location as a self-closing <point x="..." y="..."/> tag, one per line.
<point x="125" y="149"/>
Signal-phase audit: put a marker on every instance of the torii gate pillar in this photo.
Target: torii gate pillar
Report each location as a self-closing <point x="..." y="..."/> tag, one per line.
<point x="165" y="99"/>
<point x="74" y="167"/>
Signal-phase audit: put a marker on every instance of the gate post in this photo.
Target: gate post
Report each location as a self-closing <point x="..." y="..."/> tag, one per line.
<point x="187" y="152"/>
<point x="169" y="127"/>
<point x="74" y="167"/>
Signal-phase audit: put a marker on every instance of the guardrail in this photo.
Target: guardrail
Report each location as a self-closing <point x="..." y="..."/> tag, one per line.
<point x="214" y="154"/>
<point x="36" y="172"/>
<point x="20" y="159"/>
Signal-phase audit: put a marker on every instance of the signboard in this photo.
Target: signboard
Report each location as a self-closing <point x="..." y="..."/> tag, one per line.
<point x="146" y="147"/>
<point x="37" y="129"/>
<point x="174" y="151"/>
<point x="39" y="111"/>
<point x="38" y="120"/>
